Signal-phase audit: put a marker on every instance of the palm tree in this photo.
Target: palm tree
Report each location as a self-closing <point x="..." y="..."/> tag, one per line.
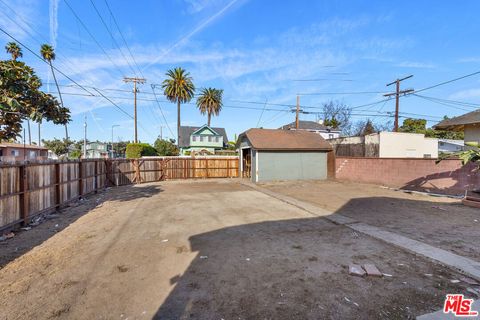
<point x="210" y="102"/>
<point x="13" y="49"/>
<point x="179" y="88"/>
<point x="48" y="54"/>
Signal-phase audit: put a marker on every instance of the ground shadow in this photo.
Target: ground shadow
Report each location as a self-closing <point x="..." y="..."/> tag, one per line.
<point x="462" y="179"/>
<point x="297" y="269"/>
<point x="56" y="221"/>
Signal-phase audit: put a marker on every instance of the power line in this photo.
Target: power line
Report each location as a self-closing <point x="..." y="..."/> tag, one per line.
<point x="111" y="36"/>
<point x="93" y="37"/>
<point x="123" y="38"/>
<point x="339" y="93"/>
<point x="161" y="111"/>
<point x="448" y="81"/>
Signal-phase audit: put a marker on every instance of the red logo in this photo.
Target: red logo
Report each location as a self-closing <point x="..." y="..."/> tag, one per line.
<point x="459" y="306"/>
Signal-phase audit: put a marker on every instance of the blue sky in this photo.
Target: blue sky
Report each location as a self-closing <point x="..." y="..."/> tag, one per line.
<point x="254" y="50"/>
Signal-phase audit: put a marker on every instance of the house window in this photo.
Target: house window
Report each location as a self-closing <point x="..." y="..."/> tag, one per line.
<point x="32" y="154"/>
<point x="210" y="138"/>
<point x="202" y="138"/>
<point x="15" y="153"/>
<point x="330" y="136"/>
<point x="217" y="139"/>
<point x="427" y="155"/>
<point x="194" y="138"/>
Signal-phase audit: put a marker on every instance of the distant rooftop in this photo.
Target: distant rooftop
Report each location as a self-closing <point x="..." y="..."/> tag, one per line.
<point x="21" y="145"/>
<point x="186" y="132"/>
<point x="459" y="122"/>
<point x="308" y="125"/>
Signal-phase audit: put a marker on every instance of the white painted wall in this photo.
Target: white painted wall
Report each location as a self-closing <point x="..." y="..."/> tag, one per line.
<point x="407" y="145"/>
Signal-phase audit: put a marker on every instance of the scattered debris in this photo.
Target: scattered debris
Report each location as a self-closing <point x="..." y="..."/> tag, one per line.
<point x="348" y="300"/>
<point x="454" y="281"/>
<point x="372" y="270"/>
<point x="356" y="270"/>
<point x="475" y="220"/>
<point x="203" y="257"/>
<point x="56" y="226"/>
<point x="7" y="236"/>
<point x="248" y="259"/>
<point x="428" y="275"/>
<point x="439" y="208"/>
<point x="52" y="216"/>
<point x="164" y="240"/>
<point x="26" y="228"/>
<point x="470" y="281"/>
<point x="387" y="275"/>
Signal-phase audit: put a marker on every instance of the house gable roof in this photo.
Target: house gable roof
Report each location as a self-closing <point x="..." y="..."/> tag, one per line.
<point x="308" y="125"/>
<point x="199" y="130"/>
<point x="186" y="132"/>
<point x="459" y="122"/>
<point x="276" y="139"/>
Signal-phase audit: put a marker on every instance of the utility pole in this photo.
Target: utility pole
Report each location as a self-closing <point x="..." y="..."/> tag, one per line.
<point x="297" y="112"/>
<point x="85" y="138"/>
<point x="39" y="134"/>
<point x="397" y="94"/>
<point x="161" y="132"/>
<point x="135" y="80"/>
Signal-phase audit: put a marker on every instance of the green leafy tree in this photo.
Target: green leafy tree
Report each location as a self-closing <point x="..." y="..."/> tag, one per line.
<point x="210" y="102"/>
<point x="120" y="148"/>
<point x="414" y="126"/>
<point x="138" y="150"/>
<point x="22" y="99"/>
<point x="60" y="147"/>
<point x="166" y="147"/>
<point x="48" y="54"/>
<point x="471" y="155"/>
<point x="13" y="49"/>
<point x="178" y="88"/>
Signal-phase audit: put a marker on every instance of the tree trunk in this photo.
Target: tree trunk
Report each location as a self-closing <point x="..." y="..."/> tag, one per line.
<point x="178" y="122"/>
<point x="209" y="116"/>
<point x="59" y="94"/>
<point x="39" y="134"/>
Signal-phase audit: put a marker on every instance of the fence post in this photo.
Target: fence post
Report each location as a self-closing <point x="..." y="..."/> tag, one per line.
<point x="80" y="178"/>
<point x="24" y="193"/>
<point x="206" y="166"/>
<point x="57" y="185"/>
<point x="95" y="179"/>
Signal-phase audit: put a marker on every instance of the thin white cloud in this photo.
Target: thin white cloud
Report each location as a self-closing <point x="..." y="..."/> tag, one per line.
<point x="196" y="30"/>
<point x="18" y="18"/>
<point x="416" y="64"/>
<point x="466" y="94"/>
<point x="53" y="22"/>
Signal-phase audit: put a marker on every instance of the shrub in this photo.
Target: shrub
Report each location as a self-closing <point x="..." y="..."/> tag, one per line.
<point x="137" y="150"/>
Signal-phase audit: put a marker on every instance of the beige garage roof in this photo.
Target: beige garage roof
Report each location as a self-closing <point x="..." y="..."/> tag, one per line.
<point x="274" y="139"/>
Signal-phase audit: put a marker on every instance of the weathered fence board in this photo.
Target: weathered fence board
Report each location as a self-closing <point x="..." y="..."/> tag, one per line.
<point x="29" y="189"/>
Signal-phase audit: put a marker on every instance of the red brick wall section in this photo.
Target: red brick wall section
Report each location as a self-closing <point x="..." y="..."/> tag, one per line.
<point x="447" y="177"/>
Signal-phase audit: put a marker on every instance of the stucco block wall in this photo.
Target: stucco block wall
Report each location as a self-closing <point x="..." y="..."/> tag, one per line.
<point x="447" y="177"/>
<point x="407" y="145"/>
<point x="290" y="165"/>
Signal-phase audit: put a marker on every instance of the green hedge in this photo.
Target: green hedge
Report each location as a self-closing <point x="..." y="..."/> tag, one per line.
<point x="137" y="150"/>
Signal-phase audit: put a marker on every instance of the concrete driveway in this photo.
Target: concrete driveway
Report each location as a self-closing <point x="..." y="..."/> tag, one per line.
<point x="211" y="249"/>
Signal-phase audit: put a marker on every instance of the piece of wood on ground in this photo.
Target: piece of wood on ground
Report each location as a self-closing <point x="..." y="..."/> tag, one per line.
<point x="356" y="270"/>
<point x="372" y="270"/>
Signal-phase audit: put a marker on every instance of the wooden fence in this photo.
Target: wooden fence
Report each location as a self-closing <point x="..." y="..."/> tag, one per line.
<point x="27" y="190"/>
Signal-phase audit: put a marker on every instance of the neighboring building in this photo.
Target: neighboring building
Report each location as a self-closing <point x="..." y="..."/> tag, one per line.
<point x="269" y="154"/>
<point x="97" y="150"/>
<point x="469" y="123"/>
<point x="316" y="127"/>
<point x="11" y="152"/>
<point x="450" y="146"/>
<point x="387" y="145"/>
<point x="202" y="139"/>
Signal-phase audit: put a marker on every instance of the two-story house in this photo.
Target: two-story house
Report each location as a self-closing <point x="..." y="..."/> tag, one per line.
<point x="10" y="152"/>
<point x="202" y="139"/>
<point x="97" y="150"/>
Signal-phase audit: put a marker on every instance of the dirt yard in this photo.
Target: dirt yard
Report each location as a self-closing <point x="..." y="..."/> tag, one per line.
<point x="442" y="222"/>
<point x="214" y="250"/>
